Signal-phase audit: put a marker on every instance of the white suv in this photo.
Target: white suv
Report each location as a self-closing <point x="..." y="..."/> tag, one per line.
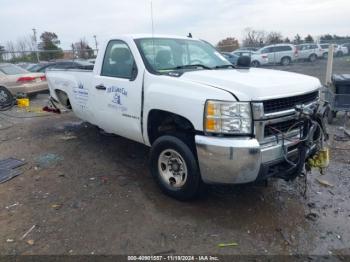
<point x="309" y="52"/>
<point x="282" y="54"/>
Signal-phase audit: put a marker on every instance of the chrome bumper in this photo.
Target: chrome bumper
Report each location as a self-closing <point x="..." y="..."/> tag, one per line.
<point x="235" y="160"/>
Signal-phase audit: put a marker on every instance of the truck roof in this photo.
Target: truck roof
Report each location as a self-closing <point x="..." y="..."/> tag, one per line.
<point x="138" y="36"/>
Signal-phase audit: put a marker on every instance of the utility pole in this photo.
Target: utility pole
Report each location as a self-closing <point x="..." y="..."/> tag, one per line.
<point x="96" y="44"/>
<point x="36" y="45"/>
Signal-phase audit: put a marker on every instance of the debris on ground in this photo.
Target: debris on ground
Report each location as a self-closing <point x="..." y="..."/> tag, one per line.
<point x="10" y="240"/>
<point x="30" y="242"/>
<point x="56" y="206"/>
<point x="311" y="216"/>
<point x="47" y="160"/>
<point x="26" y="233"/>
<point x="324" y="182"/>
<point x="232" y="244"/>
<point x="8" y="169"/>
<point x="285" y="238"/>
<point x="13" y="205"/>
<point x="68" y="136"/>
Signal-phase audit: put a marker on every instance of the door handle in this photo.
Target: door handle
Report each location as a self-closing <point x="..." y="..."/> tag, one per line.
<point x="100" y="87"/>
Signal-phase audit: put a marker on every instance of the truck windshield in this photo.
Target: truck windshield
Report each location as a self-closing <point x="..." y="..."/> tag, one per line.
<point x="163" y="55"/>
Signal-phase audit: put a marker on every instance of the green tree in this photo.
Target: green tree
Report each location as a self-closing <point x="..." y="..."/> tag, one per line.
<point x="309" y="39"/>
<point x="49" y="42"/>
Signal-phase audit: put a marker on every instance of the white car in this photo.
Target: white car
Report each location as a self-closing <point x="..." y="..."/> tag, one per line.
<point x="309" y="52"/>
<point x="339" y="50"/>
<point x="205" y="120"/>
<point x="257" y="59"/>
<point x="283" y="54"/>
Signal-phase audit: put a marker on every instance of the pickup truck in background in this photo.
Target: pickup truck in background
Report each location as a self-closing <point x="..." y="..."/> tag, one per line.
<point x="206" y="121"/>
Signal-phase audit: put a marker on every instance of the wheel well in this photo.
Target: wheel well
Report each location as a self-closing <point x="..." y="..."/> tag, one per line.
<point x="63" y="98"/>
<point x="162" y="122"/>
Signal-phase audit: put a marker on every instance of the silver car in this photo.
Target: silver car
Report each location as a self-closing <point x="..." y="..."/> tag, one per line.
<point x="14" y="80"/>
<point x="309" y="52"/>
<point x="283" y="54"/>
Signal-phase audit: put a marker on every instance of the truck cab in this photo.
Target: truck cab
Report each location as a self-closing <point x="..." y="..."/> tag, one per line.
<point x="206" y="121"/>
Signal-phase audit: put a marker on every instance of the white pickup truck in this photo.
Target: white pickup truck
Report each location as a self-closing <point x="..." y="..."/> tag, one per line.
<point x="205" y="120"/>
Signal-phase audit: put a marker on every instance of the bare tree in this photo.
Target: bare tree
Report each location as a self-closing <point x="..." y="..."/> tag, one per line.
<point x="274" y="38"/>
<point x="253" y="38"/>
<point x="10" y="47"/>
<point x="82" y="49"/>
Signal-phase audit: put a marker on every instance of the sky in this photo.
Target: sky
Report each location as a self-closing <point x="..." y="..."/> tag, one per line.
<point x="211" y="20"/>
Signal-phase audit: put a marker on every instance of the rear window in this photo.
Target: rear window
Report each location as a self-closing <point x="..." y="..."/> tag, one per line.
<point x="12" y="70"/>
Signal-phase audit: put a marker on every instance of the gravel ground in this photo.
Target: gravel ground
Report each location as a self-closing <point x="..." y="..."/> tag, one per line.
<point x="90" y="193"/>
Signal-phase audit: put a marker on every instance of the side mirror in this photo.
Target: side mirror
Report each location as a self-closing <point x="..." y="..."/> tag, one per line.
<point x="243" y="62"/>
<point x="133" y="72"/>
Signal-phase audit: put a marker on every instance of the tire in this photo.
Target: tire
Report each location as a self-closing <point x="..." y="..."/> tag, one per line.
<point x="255" y="63"/>
<point x="169" y="152"/>
<point x="285" y="61"/>
<point x="340" y="53"/>
<point x="6" y="98"/>
<point x="312" y="58"/>
<point x="330" y="116"/>
<point x="325" y="55"/>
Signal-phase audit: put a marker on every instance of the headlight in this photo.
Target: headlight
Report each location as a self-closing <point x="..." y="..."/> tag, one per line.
<point x="227" y="117"/>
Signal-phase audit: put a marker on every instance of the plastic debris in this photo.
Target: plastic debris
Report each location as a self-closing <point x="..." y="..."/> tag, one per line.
<point x="26" y="233"/>
<point x="56" y="206"/>
<point x="10" y="240"/>
<point x="30" y="242"/>
<point x="232" y="244"/>
<point x="324" y="182"/>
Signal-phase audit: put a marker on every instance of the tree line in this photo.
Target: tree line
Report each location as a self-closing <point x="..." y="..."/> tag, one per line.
<point x="260" y="38"/>
<point x="24" y="49"/>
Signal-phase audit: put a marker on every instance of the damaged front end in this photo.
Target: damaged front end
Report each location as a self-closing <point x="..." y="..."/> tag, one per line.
<point x="308" y="147"/>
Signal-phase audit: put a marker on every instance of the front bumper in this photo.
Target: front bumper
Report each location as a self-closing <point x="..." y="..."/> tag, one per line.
<point x="238" y="160"/>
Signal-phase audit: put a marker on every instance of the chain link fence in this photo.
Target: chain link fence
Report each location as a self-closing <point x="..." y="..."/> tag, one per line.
<point x="33" y="57"/>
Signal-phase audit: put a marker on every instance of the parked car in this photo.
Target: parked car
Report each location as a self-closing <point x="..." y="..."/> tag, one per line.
<point x="232" y="58"/>
<point x="257" y="59"/>
<point x="25" y="65"/>
<point x="347" y="45"/>
<point x="341" y="50"/>
<point x="309" y="52"/>
<point x="64" y="64"/>
<point x="283" y="54"/>
<point x="205" y="121"/>
<point x="14" y="80"/>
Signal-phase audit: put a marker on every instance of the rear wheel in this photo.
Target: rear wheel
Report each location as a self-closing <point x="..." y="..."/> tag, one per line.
<point x="174" y="167"/>
<point x="325" y="55"/>
<point x="340" y="53"/>
<point x="312" y="58"/>
<point x="255" y="63"/>
<point x="6" y="98"/>
<point x="285" y="61"/>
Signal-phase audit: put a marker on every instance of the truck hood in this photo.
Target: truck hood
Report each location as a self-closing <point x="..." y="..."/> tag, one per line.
<point x="255" y="84"/>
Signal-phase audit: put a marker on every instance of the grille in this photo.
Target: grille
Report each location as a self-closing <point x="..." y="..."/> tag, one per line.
<point x="281" y="126"/>
<point x="281" y="104"/>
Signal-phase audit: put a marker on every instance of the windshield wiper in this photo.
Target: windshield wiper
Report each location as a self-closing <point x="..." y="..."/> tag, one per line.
<point x="224" y="66"/>
<point x="187" y="66"/>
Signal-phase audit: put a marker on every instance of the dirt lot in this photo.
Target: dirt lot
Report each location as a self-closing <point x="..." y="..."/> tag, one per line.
<point x="90" y="193"/>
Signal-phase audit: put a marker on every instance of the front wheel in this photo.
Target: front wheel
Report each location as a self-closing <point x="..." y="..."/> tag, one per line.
<point x="174" y="167"/>
<point x="285" y="61"/>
